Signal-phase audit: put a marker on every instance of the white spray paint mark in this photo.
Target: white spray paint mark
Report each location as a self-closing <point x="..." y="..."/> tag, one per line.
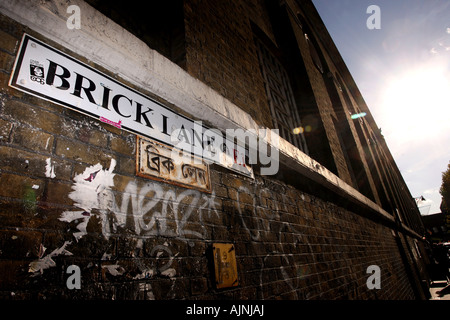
<point x="46" y="144"/>
<point x="91" y="190"/>
<point x="171" y="272"/>
<point x="70" y="216"/>
<point x="90" y="184"/>
<point x="151" y="205"/>
<point x="2" y="100"/>
<point x="146" y="291"/>
<point x="106" y="256"/>
<point x="49" y="169"/>
<point x="114" y="269"/>
<point x="46" y="262"/>
<point x="145" y="274"/>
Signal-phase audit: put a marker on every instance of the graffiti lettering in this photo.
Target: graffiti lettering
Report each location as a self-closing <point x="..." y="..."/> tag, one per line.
<point x="154" y="210"/>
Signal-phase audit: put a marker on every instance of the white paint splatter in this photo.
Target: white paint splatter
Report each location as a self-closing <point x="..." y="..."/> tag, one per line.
<point x="2" y="100"/>
<point x="92" y="190"/>
<point x="171" y="272"/>
<point x="147" y="273"/>
<point x="90" y="184"/>
<point x="46" y="262"/>
<point x="46" y="144"/>
<point x="146" y="288"/>
<point x="106" y="256"/>
<point x="114" y="269"/>
<point x="49" y="169"/>
<point x="70" y="216"/>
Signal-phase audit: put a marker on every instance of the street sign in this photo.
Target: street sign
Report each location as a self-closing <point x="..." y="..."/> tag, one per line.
<point x="164" y="163"/>
<point x="50" y="74"/>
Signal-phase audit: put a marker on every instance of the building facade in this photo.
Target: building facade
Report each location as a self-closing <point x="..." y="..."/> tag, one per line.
<point x="437" y="227"/>
<point x="300" y="200"/>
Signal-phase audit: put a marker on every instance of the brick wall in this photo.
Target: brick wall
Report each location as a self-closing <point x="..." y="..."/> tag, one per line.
<point x="69" y="196"/>
<point x="221" y="52"/>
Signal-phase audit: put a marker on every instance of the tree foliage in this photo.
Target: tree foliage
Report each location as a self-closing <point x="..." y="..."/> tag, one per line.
<point x="445" y="191"/>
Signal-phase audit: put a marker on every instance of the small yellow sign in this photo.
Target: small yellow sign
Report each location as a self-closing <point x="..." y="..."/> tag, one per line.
<point x="225" y="265"/>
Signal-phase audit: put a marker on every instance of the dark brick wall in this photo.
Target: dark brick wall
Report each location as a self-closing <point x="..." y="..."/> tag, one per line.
<point x="142" y="239"/>
<point x="221" y="52"/>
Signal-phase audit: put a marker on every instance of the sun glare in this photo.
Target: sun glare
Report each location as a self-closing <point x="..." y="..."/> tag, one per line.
<point x="416" y="105"/>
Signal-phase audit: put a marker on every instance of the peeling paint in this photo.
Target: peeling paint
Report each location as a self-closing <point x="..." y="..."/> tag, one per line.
<point x="114" y="269"/>
<point x="171" y="272"/>
<point x="49" y="168"/>
<point x="46" y="143"/>
<point x="46" y="262"/>
<point x="146" y="274"/>
<point x="91" y="190"/>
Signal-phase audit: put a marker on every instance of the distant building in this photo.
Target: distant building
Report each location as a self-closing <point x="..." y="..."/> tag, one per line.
<point x="93" y="98"/>
<point x="437" y="226"/>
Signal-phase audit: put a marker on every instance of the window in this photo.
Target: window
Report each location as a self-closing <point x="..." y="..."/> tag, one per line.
<point x="280" y="53"/>
<point x="280" y="97"/>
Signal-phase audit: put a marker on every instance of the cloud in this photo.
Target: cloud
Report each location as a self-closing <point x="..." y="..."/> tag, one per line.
<point x="448" y="30"/>
<point x="431" y="191"/>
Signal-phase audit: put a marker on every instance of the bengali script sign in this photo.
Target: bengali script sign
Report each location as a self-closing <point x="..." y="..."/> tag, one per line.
<point x="162" y="162"/>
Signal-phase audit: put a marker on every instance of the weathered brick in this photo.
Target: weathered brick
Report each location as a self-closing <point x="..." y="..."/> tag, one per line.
<point x="12" y="272"/>
<point x="198" y="286"/>
<point x="126" y="166"/>
<point x="8" y="42"/>
<point x="5" y="130"/>
<point x="62" y="169"/>
<point x="32" y="116"/>
<point x="33" y="139"/>
<point x="28" y="189"/>
<point x="231" y="181"/>
<point x="197" y="248"/>
<point x="81" y="152"/>
<point x="124" y="146"/>
<point x="20" y="161"/>
<point x="6" y="89"/>
<point x="20" y="244"/>
<point x="6" y="61"/>
<point x="216" y="177"/>
<point x="220" y="191"/>
<point x="123" y="183"/>
<point x="58" y="193"/>
<point x="90" y="135"/>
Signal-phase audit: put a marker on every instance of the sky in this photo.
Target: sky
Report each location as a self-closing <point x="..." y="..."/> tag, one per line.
<point x="402" y="69"/>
